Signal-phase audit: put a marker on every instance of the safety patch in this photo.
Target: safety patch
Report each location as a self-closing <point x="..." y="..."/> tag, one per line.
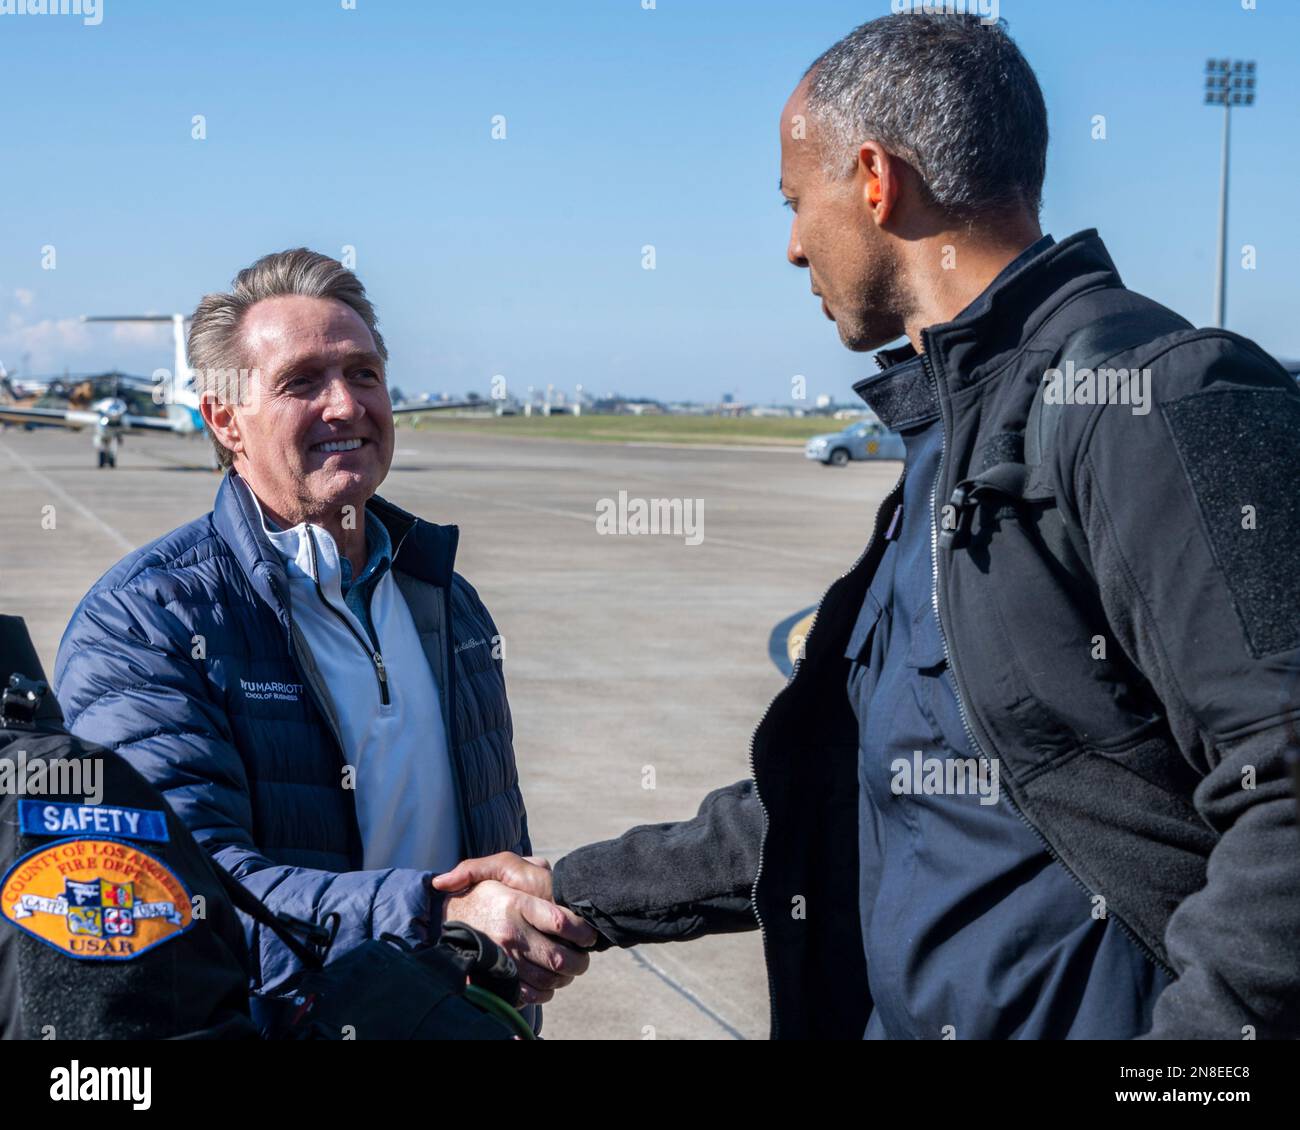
<point x="97" y="900"/>
<point x="1240" y="450"/>
<point x="59" y="818"/>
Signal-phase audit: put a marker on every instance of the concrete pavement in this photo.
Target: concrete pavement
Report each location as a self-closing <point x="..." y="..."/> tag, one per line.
<point x="630" y="658"/>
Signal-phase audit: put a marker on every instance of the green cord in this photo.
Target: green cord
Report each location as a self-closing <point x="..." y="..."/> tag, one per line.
<point x="493" y="1004"/>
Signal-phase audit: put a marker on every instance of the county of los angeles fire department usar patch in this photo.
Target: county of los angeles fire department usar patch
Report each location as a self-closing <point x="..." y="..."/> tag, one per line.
<point x="97" y="900"/>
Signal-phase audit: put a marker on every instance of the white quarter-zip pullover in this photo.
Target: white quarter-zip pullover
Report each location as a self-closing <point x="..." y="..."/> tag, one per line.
<point x="405" y="791"/>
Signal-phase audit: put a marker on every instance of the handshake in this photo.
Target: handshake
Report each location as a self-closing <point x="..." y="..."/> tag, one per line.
<point x="508" y="897"/>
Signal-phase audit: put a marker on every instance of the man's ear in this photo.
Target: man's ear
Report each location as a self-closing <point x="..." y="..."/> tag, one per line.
<point x="879" y="180"/>
<point x="220" y="418"/>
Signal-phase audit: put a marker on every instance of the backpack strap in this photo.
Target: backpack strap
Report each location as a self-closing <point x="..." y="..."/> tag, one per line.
<point x="311" y="953"/>
<point x="1087" y="347"/>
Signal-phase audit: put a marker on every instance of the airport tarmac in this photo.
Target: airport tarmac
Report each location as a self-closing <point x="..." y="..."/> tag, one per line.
<point x="631" y="659"/>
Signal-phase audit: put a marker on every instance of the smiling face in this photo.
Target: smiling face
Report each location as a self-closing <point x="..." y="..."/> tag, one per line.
<point x="834" y="235"/>
<point x="316" y="432"/>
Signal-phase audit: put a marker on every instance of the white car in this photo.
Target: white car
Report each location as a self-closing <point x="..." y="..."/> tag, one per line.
<point x="863" y="440"/>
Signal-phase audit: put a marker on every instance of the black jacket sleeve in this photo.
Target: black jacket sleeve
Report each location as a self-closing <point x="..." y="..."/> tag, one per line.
<point x="670" y="882"/>
<point x="1193" y="522"/>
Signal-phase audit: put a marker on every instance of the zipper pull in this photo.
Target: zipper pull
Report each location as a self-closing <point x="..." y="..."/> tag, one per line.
<point x="954" y="520"/>
<point x="382" y="672"/>
<point x="894" y="529"/>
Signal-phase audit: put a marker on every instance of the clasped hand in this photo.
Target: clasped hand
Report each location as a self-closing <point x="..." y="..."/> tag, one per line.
<point x="508" y="898"/>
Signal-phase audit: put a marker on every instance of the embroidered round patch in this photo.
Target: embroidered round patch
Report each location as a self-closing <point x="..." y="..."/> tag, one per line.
<point x="97" y="900"/>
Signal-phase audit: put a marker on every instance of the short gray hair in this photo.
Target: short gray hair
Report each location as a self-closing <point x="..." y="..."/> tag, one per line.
<point x="950" y="94"/>
<point x="213" y="345"/>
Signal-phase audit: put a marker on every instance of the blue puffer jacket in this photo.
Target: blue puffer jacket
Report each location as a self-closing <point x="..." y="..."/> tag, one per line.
<point x="156" y="661"/>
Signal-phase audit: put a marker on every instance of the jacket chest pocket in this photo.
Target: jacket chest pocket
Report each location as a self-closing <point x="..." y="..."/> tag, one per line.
<point x="925" y="646"/>
<point x="867" y="641"/>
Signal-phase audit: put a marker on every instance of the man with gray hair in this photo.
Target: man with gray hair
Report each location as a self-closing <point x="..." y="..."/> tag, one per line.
<point x="1080" y="591"/>
<point x="301" y="672"/>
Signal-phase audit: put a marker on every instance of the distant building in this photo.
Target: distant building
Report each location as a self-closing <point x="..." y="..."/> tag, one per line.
<point x="627" y="406"/>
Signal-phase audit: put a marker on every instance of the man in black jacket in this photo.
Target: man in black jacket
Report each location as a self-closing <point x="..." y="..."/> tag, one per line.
<point x="1029" y="778"/>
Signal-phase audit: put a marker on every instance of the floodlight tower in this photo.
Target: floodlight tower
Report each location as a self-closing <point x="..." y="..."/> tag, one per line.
<point x="1228" y="83"/>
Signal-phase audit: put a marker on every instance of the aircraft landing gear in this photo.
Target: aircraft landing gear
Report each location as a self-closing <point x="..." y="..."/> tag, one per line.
<point x="107" y="445"/>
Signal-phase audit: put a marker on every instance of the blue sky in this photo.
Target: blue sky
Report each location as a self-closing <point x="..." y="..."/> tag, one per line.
<point x="372" y="128"/>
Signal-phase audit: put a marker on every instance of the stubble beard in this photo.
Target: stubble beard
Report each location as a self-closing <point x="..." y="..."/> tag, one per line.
<point x="881" y="314"/>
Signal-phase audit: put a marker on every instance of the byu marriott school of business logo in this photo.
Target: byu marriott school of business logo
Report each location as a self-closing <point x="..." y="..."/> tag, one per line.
<point x="258" y="690"/>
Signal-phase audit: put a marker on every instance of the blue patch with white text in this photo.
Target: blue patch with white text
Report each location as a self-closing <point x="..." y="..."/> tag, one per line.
<point x="59" y="818"/>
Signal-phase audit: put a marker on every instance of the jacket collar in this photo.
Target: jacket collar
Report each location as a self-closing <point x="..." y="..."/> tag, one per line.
<point x="902" y="395"/>
<point x="310" y="552"/>
<point x="421" y="549"/>
<point x="987" y="333"/>
<point x="997" y="326"/>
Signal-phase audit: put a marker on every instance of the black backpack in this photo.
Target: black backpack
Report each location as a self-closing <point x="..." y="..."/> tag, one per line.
<point x="118" y="925"/>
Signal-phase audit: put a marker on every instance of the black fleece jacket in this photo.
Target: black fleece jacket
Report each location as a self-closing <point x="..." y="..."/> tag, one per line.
<point x="1138" y="680"/>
